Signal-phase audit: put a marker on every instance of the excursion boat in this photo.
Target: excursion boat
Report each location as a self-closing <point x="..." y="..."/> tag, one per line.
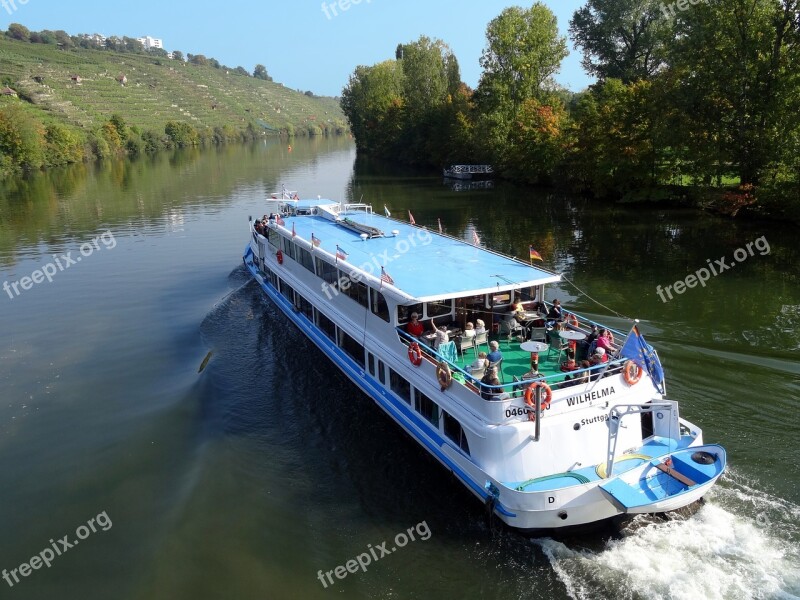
<point x="552" y="445"/>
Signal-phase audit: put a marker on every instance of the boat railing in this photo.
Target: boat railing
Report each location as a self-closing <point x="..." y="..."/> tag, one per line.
<point x="515" y="388"/>
<point x="583" y="319"/>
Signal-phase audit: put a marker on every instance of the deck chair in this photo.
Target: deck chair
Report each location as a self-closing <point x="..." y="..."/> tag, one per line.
<point x="481" y="339"/>
<point x="538" y="334"/>
<point x="499" y="365"/>
<point x="557" y="345"/>
<point x="465" y="343"/>
<point x="448" y="352"/>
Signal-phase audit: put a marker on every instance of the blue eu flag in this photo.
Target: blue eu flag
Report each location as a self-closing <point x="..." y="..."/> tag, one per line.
<point x="644" y="355"/>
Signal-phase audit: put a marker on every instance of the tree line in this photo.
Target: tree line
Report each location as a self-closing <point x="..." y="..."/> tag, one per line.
<point x="691" y="99"/>
<point x="124" y="44"/>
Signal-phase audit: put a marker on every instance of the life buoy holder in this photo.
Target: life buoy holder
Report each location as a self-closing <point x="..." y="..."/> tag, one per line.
<point x="632" y="373"/>
<point x="444" y="375"/>
<point x="415" y="354"/>
<point x="530" y="398"/>
<point x="572" y="320"/>
<point x="279" y="256"/>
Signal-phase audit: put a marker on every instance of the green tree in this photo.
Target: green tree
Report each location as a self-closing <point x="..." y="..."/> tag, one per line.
<point x="524" y="50"/>
<point x="622" y="39"/>
<point x="241" y="71"/>
<point x="181" y="134"/>
<point x="177" y="55"/>
<point x="21" y="138"/>
<point x="260" y="72"/>
<point x="198" y="59"/>
<point x="62" y="145"/>
<point x="538" y="141"/>
<point x="18" y="32"/>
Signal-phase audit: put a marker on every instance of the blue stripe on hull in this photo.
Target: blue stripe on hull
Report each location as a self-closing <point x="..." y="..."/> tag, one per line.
<point x="398" y="410"/>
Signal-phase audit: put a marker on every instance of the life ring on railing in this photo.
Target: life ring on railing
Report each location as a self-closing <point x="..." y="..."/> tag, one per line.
<point x="444" y="375"/>
<point x="279" y="256"/>
<point x="572" y="320"/>
<point x="632" y="373"/>
<point x="415" y="354"/>
<point x="530" y="398"/>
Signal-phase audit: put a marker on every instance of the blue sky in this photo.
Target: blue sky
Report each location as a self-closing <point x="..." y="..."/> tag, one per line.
<point x="300" y="45"/>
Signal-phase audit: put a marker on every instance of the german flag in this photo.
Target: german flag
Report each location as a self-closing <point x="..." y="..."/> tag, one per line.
<point x="534" y="254"/>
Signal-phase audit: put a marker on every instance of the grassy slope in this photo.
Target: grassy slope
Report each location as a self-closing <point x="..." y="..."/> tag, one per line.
<point x="154" y="93"/>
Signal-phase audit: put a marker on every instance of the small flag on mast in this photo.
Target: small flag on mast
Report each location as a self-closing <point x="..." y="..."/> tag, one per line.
<point x="534" y="254"/>
<point x="440" y="225"/>
<point x="386" y="211"/>
<point x="411" y="218"/>
<point x="340" y="254"/>
<point x="315" y="241"/>
<point x="385" y="277"/>
<point x="294" y="233"/>
<point x="475" y="239"/>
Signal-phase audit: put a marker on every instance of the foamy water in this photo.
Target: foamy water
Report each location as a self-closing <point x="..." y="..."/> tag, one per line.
<point x="741" y="544"/>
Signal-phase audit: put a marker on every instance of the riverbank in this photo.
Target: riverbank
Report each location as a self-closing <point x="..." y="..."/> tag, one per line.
<point x="63" y="106"/>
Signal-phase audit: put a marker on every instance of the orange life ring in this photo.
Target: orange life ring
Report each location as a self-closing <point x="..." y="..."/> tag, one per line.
<point x="444" y="375"/>
<point x="415" y="354"/>
<point x="572" y="320"/>
<point x="279" y="256"/>
<point x="632" y="373"/>
<point x="530" y="400"/>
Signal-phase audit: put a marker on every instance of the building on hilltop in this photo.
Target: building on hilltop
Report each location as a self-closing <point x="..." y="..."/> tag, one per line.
<point x="7" y="91"/>
<point x="149" y="42"/>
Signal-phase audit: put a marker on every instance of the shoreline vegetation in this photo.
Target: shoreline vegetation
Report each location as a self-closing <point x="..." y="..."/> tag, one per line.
<point x="72" y="99"/>
<point x="672" y="119"/>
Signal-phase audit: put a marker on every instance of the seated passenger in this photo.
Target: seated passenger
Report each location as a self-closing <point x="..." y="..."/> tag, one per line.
<point x="495" y="355"/>
<point x="490" y="378"/>
<point x="469" y="330"/>
<point x="581" y="378"/>
<point x="604" y="341"/>
<point x="414" y="327"/>
<point x="480" y="327"/>
<point x="479" y="364"/>
<point x="555" y="313"/>
<point x="599" y="357"/>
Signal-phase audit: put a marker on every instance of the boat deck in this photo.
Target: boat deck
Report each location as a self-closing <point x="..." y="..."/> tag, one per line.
<point x="654" y="448"/>
<point x="517" y="362"/>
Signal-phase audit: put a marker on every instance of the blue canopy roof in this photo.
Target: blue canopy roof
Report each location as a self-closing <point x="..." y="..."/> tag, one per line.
<point x="423" y="264"/>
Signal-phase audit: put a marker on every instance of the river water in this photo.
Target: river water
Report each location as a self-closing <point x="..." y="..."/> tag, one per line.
<point x="245" y="480"/>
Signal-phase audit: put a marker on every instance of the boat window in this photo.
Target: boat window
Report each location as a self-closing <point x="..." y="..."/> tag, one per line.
<point x="287" y="291"/>
<point x="304" y="306"/>
<point x="427" y="408"/>
<point x="453" y="430"/>
<point x="271" y="277"/>
<point x="438" y="309"/>
<point x="379" y="306"/>
<point x="371" y="364"/>
<point x="288" y="247"/>
<point x="353" y="348"/>
<point x="400" y="386"/>
<point x="356" y="290"/>
<point x="304" y="258"/>
<point x="381" y="372"/>
<point x="327" y="326"/>
<point x="404" y="313"/>
<point x="274" y="239"/>
<point x="328" y="273"/>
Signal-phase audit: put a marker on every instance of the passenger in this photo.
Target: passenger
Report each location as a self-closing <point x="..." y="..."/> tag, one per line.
<point x="479" y="364"/>
<point x="442" y="337"/>
<point x="532" y="374"/>
<point x="495" y="355"/>
<point x="599" y="357"/>
<point x="414" y="327"/>
<point x="469" y="330"/>
<point x="490" y="378"/>
<point x="583" y="377"/>
<point x="480" y="327"/>
<point x="555" y="313"/>
<point x="605" y="341"/>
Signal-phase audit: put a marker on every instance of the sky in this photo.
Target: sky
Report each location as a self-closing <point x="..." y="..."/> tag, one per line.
<point x="303" y="46"/>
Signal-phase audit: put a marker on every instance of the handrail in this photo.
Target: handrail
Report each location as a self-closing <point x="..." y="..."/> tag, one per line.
<point x="587" y="320"/>
<point x="504" y="387"/>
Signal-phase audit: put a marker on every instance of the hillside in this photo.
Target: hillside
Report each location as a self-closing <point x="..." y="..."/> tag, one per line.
<point x="157" y="90"/>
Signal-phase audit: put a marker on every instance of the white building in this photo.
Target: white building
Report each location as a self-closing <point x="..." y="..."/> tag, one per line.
<point x="149" y="42"/>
